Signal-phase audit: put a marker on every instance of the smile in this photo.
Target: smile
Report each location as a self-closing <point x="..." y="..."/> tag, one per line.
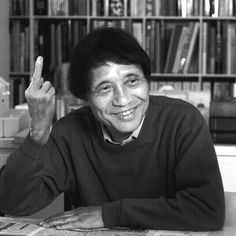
<point x="126" y="114"/>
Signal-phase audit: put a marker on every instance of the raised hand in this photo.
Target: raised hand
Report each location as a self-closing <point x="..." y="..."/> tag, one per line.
<point x="40" y="97"/>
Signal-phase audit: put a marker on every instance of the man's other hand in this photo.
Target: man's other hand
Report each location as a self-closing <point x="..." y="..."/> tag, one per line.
<point x="79" y="218"/>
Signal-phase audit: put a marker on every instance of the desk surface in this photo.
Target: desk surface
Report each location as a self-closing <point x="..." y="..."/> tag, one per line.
<point x="226" y="231"/>
<point x="26" y="225"/>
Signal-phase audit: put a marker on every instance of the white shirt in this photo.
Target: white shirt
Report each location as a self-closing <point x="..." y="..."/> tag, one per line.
<point x="133" y="135"/>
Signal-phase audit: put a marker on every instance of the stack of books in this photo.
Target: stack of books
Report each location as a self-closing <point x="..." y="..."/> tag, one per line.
<point x="222" y="121"/>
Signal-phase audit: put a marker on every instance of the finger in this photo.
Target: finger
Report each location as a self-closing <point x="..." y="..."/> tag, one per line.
<point x="52" y="91"/>
<point x="46" y="86"/>
<point x="38" y="68"/>
<point x="59" y="221"/>
<point x="71" y="225"/>
<point x="57" y="218"/>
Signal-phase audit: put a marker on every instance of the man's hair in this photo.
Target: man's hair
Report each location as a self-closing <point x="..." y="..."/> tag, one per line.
<point x="99" y="47"/>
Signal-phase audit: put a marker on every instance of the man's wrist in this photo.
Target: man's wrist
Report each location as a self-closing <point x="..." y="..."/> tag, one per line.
<point x="39" y="135"/>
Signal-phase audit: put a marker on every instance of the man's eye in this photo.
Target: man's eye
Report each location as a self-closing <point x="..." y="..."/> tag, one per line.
<point x="133" y="82"/>
<point x="104" y="89"/>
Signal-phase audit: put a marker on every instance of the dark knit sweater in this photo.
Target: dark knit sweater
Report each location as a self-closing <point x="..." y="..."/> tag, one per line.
<point x="167" y="178"/>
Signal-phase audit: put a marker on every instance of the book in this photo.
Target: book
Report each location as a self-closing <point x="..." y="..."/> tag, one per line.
<point x="149" y="7"/>
<point x="11" y="226"/>
<point x="77" y="7"/>
<point x="189" y="47"/>
<point x="137" y="31"/>
<point x="222" y="90"/>
<point x="97" y="8"/>
<point x="41" y="7"/>
<point x="223" y="108"/>
<point x="172" y="47"/>
<point x="233" y="51"/>
<point x="58" y="8"/>
<point x="223" y="137"/>
<point x="171" y="7"/>
<point x="222" y="124"/>
<point x="157" y="8"/>
<point x="211" y="54"/>
<point x="117" y="8"/>
<point x="158" y="48"/>
<point x="218" y="48"/>
<point x="137" y="8"/>
<point x="205" y="41"/>
<point x="177" y="65"/>
<point x="187" y="40"/>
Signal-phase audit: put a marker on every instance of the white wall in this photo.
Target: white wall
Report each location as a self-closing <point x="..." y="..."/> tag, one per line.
<point x="226" y="155"/>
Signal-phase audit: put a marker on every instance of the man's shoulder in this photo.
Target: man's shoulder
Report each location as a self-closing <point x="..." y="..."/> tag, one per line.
<point x="80" y="117"/>
<point x="168" y="102"/>
<point x="173" y="107"/>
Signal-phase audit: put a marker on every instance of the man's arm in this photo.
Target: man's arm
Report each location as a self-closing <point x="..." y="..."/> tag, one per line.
<point x="198" y="203"/>
<point x="40" y="97"/>
<point x="24" y="185"/>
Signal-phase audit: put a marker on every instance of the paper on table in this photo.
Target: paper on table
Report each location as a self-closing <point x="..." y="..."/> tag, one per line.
<point x="10" y="226"/>
<point x="175" y="233"/>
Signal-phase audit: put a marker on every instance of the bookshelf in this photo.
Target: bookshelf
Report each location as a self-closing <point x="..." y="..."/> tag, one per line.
<point x="36" y="29"/>
<point x="201" y="34"/>
<point x="4" y="41"/>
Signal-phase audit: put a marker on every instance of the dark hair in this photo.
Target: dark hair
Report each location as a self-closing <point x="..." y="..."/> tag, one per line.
<point x="97" y="48"/>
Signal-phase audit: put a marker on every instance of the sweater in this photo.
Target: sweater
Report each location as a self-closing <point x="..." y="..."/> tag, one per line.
<point x="167" y="178"/>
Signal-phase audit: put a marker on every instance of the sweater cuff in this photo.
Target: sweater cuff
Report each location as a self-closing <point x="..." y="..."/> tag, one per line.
<point x="31" y="148"/>
<point x="111" y="214"/>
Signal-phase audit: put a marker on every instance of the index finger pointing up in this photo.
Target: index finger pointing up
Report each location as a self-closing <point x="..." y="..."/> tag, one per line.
<point x="38" y="68"/>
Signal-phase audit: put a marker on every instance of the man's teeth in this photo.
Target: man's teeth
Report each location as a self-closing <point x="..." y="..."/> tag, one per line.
<point x="125" y="113"/>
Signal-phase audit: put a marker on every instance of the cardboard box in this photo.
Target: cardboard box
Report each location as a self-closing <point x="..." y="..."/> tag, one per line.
<point x="13" y="122"/>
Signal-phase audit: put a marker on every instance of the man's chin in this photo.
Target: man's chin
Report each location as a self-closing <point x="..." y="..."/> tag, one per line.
<point x="125" y="129"/>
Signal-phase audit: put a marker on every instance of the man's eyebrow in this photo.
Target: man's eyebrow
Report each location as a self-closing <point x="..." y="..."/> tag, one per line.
<point x="100" y="84"/>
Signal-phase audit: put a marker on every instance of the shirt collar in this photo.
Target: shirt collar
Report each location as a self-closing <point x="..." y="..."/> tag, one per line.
<point x="134" y="135"/>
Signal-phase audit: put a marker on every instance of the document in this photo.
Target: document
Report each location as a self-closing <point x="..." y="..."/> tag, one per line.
<point x="11" y="226"/>
<point x="29" y="227"/>
<point x="175" y="233"/>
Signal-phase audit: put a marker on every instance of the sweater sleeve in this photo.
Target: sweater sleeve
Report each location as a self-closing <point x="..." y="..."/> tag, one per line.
<point x="198" y="201"/>
<point x="33" y="176"/>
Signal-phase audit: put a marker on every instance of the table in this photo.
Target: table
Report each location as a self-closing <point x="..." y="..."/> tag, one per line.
<point x="226" y="231"/>
<point x="30" y="225"/>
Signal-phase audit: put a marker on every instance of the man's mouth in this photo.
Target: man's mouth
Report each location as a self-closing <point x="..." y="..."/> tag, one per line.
<point x="126" y="114"/>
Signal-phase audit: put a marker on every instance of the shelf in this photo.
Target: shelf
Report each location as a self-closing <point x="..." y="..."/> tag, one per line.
<point x="146" y="28"/>
<point x="60" y="17"/>
<point x="17" y="74"/>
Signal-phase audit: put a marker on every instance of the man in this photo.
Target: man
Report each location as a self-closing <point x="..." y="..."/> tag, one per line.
<point x="126" y="159"/>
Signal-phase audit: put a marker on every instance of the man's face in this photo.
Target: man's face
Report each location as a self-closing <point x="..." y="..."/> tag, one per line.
<point x="119" y="97"/>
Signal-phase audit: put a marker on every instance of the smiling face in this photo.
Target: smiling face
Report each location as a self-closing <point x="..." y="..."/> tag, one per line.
<point x="119" y="97"/>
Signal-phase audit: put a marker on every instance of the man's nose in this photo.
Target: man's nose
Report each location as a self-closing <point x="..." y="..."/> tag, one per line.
<point x="122" y="96"/>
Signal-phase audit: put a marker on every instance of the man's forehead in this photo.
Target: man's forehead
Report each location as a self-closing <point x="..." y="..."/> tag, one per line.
<point x="112" y="70"/>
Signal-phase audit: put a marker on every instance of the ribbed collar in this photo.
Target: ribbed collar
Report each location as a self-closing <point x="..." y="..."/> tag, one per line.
<point x="133" y="135"/>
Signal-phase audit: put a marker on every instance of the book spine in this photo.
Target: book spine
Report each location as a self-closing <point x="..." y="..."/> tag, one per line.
<point x="177" y="62"/>
<point x="204" y="47"/>
<point x="229" y="42"/>
<point x="224" y="138"/>
<point x="191" y="47"/>
<point x="149" y="7"/>
<point x="211" y="59"/>
<point x="59" y="7"/>
<point x="219" y="42"/>
<point x="222" y="124"/>
<point x="223" y="109"/>
<point x="41" y="7"/>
